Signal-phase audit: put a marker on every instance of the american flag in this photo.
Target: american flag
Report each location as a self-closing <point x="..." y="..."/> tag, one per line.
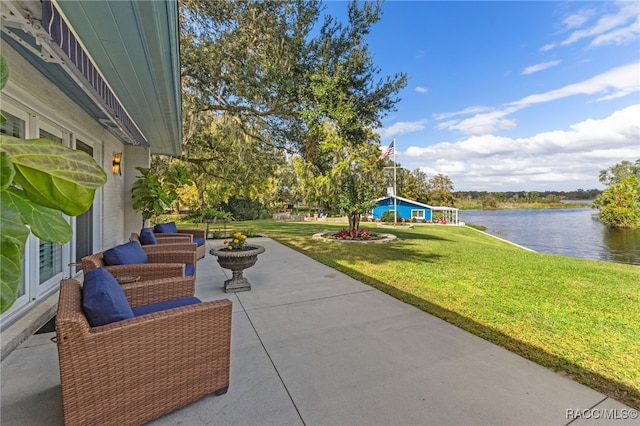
<point x="387" y="152"/>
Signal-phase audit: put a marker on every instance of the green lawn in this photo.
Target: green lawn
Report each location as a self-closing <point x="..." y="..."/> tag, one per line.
<point x="575" y="316"/>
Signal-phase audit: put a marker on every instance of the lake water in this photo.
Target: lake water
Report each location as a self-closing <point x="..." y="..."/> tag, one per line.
<point x="572" y="232"/>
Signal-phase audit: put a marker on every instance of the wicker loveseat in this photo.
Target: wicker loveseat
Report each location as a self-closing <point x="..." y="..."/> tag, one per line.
<point x="135" y="370"/>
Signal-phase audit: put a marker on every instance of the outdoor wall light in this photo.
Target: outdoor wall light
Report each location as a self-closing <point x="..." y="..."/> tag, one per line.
<point x="117" y="158"/>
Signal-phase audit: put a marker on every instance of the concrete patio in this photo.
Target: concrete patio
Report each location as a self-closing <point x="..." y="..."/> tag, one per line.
<point x="311" y="346"/>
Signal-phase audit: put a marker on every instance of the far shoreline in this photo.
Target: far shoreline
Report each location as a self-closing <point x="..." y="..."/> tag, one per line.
<point x="531" y="206"/>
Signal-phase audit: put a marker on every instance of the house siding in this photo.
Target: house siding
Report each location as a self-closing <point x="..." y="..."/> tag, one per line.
<point x="30" y="92"/>
<point x="403" y="207"/>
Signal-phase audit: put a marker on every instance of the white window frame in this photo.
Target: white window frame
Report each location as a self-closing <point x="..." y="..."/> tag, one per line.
<point x="417" y="214"/>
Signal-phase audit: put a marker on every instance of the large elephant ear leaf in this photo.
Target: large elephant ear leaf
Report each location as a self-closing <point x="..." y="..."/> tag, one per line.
<point x="45" y="223"/>
<point x="12" y="239"/>
<point x="53" y="175"/>
<point x="7" y="171"/>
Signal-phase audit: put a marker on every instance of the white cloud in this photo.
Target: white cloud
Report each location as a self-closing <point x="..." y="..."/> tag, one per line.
<point x="421" y="89"/>
<point x="610" y="28"/>
<point x="483" y="124"/>
<point x="619" y="81"/>
<point x="620" y="36"/>
<point x="615" y="83"/>
<point x="539" y="67"/>
<point x="557" y="160"/>
<point x="469" y="110"/>
<point x="401" y="127"/>
<point x="578" y="19"/>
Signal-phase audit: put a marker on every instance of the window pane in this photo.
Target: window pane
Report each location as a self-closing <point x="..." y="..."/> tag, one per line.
<point x="45" y="134"/>
<point x="50" y="253"/>
<point x="50" y="260"/>
<point x="13" y="126"/>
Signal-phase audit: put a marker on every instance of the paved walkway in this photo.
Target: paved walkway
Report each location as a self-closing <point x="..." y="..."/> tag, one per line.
<point x="311" y="346"/>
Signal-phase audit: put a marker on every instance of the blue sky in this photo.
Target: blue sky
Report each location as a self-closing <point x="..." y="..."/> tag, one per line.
<point x="511" y="96"/>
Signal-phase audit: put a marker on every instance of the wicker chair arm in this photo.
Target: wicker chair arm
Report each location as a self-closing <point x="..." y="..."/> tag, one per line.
<point x="155" y="291"/>
<point x="161" y="237"/>
<point x="184" y="246"/>
<point x="92" y="261"/>
<point x="174" y="239"/>
<point x="170" y="256"/>
<point x="147" y="271"/>
<point x="195" y="232"/>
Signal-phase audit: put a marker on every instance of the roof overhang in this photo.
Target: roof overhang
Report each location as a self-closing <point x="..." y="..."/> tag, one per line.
<point x="133" y="46"/>
<point x="416" y="203"/>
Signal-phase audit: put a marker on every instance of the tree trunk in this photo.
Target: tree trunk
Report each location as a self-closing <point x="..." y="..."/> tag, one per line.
<point x="354" y="221"/>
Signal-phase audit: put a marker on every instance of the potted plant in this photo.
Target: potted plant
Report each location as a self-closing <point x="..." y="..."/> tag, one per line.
<point x="237" y="256"/>
<point x="151" y="194"/>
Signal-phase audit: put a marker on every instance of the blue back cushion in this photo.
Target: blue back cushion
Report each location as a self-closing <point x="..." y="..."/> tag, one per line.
<point x="103" y="300"/>
<point x="130" y="253"/>
<point x="147" y="237"/>
<point x="169" y="304"/>
<point x="199" y="241"/>
<point x="166" y="228"/>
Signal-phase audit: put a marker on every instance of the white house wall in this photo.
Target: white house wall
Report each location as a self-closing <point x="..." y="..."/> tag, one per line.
<point x="31" y="92"/>
<point x="134" y="156"/>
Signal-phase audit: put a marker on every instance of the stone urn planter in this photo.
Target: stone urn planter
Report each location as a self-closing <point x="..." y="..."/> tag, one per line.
<point x="237" y="261"/>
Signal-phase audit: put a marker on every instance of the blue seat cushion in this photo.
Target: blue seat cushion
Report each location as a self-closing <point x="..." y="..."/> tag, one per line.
<point x="162" y="306"/>
<point x="189" y="269"/>
<point x="130" y="253"/>
<point x="166" y="228"/>
<point x="103" y="300"/>
<point x="199" y="241"/>
<point x="147" y="237"/>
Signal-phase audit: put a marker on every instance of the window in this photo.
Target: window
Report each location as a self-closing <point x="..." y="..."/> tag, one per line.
<point x="50" y="253"/>
<point x="14" y="126"/>
<point x="417" y="214"/>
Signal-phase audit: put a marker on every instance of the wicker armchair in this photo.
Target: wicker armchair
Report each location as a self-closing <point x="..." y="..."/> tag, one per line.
<point x="165" y="239"/>
<point x="135" y="370"/>
<point x="162" y="264"/>
<point x="198" y="235"/>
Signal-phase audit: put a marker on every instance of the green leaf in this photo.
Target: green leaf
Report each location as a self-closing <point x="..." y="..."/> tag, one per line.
<point x="7" y="171"/>
<point x="13" y="235"/>
<point x="45" y="223"/>
<point x="53" y="175"/>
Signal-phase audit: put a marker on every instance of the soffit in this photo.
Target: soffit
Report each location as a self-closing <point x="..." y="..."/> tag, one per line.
<point x="134" y="44"/>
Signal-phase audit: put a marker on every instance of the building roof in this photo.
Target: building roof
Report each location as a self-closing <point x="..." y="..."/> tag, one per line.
<point x="134" y="46"/>
<point x="406" y="200"/>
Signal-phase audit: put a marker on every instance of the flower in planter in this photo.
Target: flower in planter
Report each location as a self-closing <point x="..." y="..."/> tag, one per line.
<point x="237" y="241"/>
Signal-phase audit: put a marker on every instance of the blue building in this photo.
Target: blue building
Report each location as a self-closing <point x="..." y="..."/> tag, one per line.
<point x="408" y="209"/>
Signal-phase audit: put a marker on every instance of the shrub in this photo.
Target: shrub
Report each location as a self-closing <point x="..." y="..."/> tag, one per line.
<point x="388" y="216"/>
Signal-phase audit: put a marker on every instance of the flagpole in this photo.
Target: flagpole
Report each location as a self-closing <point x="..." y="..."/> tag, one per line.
<point x="395" y="193"/>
